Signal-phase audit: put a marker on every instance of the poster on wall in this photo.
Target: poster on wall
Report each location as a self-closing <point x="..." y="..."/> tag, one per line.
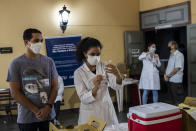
<point x="62" y="51"/>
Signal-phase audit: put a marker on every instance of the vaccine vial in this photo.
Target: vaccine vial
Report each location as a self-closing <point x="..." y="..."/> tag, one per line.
<point x="110" y="62"/>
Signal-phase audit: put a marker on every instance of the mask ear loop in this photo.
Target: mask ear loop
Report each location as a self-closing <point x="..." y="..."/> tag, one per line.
<point x="28" y="43"/>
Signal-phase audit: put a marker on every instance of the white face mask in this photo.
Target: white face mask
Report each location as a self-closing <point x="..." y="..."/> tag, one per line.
<point x="36" y="48"/>
<point x="152" y="49"/>
<point x="93" y="60"/>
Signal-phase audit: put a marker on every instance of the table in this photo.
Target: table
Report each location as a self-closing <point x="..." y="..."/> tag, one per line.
<point x="120" y="92"/>
<point x="5" y="89"/>
<point x="188" y="119"/>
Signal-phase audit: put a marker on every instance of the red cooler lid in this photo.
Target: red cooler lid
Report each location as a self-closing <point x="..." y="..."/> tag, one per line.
<point x="153" y="110"/>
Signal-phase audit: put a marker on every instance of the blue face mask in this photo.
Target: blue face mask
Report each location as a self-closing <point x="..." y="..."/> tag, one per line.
<point x="152" y="49"/>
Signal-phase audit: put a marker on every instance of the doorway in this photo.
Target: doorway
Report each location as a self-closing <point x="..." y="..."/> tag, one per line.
<point x="161" y="38"/>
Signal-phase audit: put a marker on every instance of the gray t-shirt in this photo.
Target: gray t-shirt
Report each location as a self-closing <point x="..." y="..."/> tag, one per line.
<point x="35" y="78"/>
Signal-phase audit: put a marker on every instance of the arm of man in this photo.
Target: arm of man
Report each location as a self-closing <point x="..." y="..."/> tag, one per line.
<point x="44" y="112"/>
<point x="179" y="64"/>
<point x="173" y="72"/>
<point x="20" y="98"/>
<point x="54" y="91"/>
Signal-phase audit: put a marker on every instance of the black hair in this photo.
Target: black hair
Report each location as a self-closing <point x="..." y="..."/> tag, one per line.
<point x="149" y="44"/>
<point x="27" y="35"/>
<point x="173" y="42"/>
<point x="84" y="45"/>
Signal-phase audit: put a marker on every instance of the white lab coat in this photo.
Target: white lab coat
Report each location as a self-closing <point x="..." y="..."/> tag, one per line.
<point x="60" y="89"/>
<point x="101" y="105"/>
<point x="150" y="75"/>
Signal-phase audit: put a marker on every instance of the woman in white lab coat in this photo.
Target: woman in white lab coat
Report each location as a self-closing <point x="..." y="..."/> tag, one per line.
<point x="150" y="80"/>
<point x="92" y="80"/>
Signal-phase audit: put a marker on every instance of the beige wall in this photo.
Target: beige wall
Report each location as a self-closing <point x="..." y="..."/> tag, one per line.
<point x="153" y="4"/>
<point x="103" y="19"/>
<point x="193" y="11"/>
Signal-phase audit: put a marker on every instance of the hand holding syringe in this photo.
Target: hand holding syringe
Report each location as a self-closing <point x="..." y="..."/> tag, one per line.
<point x="112" y="69"/>
<point x="100" y="79"/>
<point x="106" y="68"/>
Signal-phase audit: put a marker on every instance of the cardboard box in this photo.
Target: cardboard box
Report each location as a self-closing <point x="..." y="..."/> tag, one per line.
<point x="94" y="124"/>
<point x="188" y="114"/>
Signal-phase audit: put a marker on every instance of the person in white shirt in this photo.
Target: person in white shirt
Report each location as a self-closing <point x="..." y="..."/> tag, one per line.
<point x="92" y="80"/>
<point x="174" y="73"/>
<point x="150" y="80"/>
<point x="59" y="97"/>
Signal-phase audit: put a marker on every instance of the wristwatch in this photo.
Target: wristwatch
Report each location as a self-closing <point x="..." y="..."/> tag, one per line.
<point x="48" y="104"/>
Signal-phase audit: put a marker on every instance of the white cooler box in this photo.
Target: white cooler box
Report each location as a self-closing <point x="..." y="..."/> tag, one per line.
<point x="154" y="117"/>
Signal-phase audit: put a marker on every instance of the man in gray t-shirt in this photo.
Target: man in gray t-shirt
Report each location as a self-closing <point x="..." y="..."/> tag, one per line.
<point x="33" y="82"/>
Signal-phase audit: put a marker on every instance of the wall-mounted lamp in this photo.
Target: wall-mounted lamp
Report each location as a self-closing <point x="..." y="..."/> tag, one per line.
<point x="64" y="17"/>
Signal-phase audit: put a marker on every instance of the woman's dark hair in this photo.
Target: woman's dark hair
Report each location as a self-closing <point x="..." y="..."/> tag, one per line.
<point x="84" y="45"/>
<point x="149" y="44"/>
